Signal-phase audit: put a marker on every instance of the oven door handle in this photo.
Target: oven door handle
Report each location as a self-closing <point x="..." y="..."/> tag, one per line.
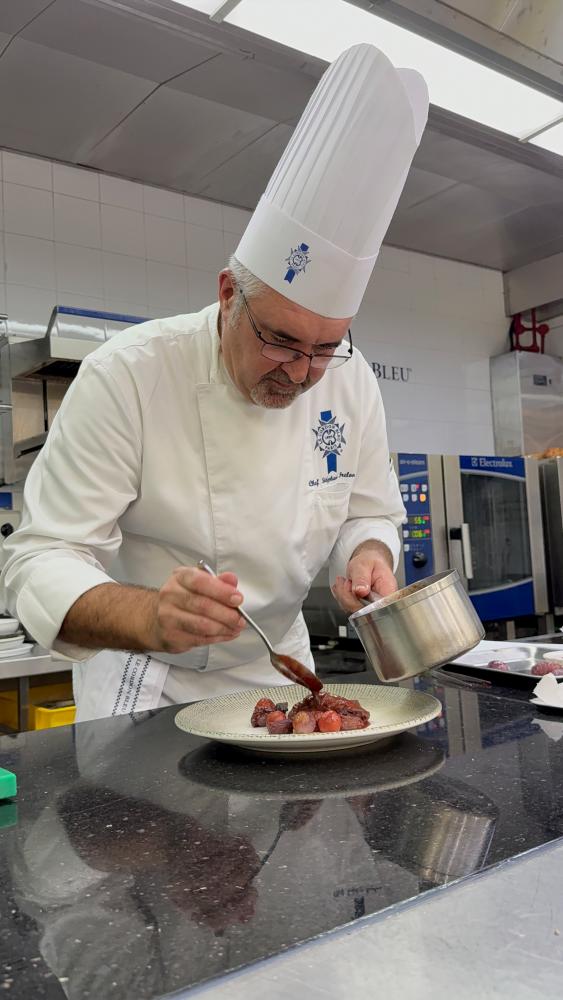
<point x="463" y="535"/>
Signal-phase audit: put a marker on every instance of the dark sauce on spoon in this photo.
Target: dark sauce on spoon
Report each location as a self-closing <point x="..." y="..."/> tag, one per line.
<point x="297" y="672"/>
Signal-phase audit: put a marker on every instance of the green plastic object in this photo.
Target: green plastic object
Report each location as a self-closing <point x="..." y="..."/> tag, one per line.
<point x="8" y="784"/>
<point x="8" y="814"/>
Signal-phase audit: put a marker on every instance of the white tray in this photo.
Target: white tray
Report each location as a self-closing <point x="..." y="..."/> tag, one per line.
<point x="519" y="657"/>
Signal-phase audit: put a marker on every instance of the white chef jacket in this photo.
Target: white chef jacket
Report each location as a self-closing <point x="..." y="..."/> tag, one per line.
<point x="155" y="460"/>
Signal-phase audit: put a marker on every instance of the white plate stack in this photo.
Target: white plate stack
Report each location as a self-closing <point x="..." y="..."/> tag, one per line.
<point x="12" y="639"/>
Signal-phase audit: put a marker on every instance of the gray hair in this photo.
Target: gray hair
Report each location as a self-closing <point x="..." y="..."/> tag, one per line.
<point x="249" y="284"/>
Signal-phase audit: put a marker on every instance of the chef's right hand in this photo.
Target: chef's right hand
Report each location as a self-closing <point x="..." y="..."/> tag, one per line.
<point x="196" y="609"/>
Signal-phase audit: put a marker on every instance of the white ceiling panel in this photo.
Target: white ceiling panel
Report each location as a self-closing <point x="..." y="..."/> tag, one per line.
<point x="421" y="185"/>
<point x="507" y="179"/>
<point x="473" y="209"/>
<point x="15" y="13"/>
<point x="113" y="38"/>
<point x="449" y="157"/>
<point x="83" y="79"/>
<point x="175" y="139"/>
<point x="481" y="226"/>
<point x="245" y="83"/>
<point x="243" y="178"/>
<point x="60" y="105"/>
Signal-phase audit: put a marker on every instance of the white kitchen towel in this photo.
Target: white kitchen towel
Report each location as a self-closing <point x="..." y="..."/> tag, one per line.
<point x="117" y="683"/>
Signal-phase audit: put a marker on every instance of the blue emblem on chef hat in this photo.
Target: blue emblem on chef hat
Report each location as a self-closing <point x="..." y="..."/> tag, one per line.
<point x="297" y="261"/>
<point x="330" y="439"/>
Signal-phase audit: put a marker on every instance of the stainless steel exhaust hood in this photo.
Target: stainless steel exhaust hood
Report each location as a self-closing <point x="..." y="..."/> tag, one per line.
<point x="71" y="335"/>
<point x="35" y="374"/>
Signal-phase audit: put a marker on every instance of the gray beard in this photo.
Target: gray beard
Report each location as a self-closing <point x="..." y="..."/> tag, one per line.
<point x="265" y="393"/>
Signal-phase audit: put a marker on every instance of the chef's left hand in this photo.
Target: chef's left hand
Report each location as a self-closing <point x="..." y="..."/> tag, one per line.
<point x="370" y="570"/>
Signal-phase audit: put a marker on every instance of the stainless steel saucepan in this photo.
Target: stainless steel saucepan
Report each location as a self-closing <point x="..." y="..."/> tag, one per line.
<point x="418" y="628"/>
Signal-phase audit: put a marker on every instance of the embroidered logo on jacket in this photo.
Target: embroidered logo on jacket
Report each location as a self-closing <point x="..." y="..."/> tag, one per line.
<point x="330" y="439"/>
<point x="297" y="261"/>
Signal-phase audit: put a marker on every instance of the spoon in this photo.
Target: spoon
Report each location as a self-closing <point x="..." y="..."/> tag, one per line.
<point x="286" y="665"/>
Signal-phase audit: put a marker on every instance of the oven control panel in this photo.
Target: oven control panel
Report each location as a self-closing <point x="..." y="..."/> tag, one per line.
<point x="418" y="552"/>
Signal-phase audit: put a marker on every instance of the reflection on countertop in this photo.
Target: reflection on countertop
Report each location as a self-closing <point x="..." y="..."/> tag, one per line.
<point x="144" y="861"/>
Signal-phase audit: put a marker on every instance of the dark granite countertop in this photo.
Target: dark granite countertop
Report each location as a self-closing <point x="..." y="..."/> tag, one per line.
<point x="142" y="861"/>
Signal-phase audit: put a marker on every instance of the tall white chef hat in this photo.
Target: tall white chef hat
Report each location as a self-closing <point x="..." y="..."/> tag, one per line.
<point x="317" y="230"/>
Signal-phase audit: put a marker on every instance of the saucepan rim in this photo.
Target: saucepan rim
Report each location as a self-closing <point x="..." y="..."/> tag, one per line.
<point x="407" y="596"/>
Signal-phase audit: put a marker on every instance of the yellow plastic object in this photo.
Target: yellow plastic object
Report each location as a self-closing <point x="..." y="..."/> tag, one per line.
<point x="42" y="693"/>
<point x="47" y="717"/>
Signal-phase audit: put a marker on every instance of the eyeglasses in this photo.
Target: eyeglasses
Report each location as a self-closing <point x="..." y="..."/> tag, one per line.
<point x="285" y="355"/>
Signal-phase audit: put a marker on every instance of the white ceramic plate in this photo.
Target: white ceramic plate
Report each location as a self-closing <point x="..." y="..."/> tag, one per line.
<point x="11" y="654"/>
<point x="11" y="641"/>
<point x="227" y="718"/>
<point x="9" y="626"/>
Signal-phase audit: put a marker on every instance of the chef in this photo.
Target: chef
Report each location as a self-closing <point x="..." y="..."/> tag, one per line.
<point x="250" y="434"/>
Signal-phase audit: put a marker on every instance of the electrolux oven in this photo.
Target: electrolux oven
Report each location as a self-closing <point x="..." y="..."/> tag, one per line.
<point x="495" y="533"/>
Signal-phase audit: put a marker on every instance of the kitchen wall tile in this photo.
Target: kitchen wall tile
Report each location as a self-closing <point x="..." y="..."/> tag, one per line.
<point x="474" y="439"/>
<point x="235" y="220"/>
<point x="205" y="248"/>
<point x="476" y="373"/>
<point x="393" y="259"/>
<point x="419" y="283"/>
<point x="28" y="211"/>
<point x="202" y="289"/>
<point x="448" y="273"/>
<point x="391" y="287"/>
<point x="445" y="438"/>
<point x="230" y="243"/>
<point x="127" y="308"/>
<point x="157" y="201"/>
<point x="79" y="269"/>
<point x="376" y="323"/>
<point x="30" y="261"/>
<point x="29" y="170"/>
<point x="125" y="278"/>
<point x="448" y="304"/>
<point x="554" y="340"/>
<point x="29" y="310"/>
<point x="421" y="263"/>
<point x="75" y="182"/>
<point x="168" y="289"/>
<point x="80" y="301"/>
<point x="160" y="255"/>
<point x="489" y="338"/>
<point x="202" y="212"/>
<point x="425" y="301"/>
<point x="412" y="435"/>
<point x="123" y="231"/>
<point x="77" y="221"/>
<point x="166" y="240"/>
<point x="124" y="194"/>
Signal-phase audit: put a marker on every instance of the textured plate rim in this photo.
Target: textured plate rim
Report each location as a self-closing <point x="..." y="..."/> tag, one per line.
<point x="264" y="740"/>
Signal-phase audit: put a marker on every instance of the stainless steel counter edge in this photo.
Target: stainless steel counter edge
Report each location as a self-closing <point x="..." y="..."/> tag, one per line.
<point x="498" y="934"/>
<point x="39" y="661"/>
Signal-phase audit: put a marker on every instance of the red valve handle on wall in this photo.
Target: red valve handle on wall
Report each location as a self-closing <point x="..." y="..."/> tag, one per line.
<point x="539" y="332"/>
